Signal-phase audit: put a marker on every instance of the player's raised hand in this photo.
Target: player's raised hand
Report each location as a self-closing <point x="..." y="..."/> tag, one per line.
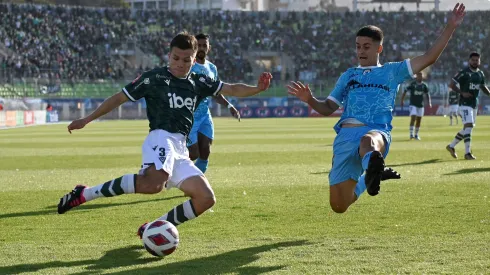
<point x="457" y="15"/>
<point x="77" y="124"/>
<point x="300" y="91"/>
<point x="264" y="81"/>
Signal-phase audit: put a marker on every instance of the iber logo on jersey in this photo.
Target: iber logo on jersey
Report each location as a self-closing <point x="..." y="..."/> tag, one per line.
<point x="474" y="86"/>
<point x="179" y="102"/>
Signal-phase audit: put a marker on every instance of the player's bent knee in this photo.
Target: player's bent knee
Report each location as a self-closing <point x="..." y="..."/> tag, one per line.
<point x="200" y="191"/>
<point x="338" y="207"/>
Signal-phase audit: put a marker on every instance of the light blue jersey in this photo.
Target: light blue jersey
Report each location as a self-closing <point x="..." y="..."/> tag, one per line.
<point x="368" y="94"/>
<point x="210" y="70"/>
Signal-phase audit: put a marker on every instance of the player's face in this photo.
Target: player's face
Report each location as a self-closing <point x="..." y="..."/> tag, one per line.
<point x="368" y="51"/>
<point x="474" y="62"/>
<point x="419" y="77"/>
<point x="181" y="61"/>
<point x="202" y="48"/>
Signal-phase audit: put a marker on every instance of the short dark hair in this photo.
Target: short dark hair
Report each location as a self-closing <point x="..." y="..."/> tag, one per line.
<point x="184" y="41"/>
<point x="474" y="54"/>
<point x="371" y="31"/>
<point x="202" y="36"/>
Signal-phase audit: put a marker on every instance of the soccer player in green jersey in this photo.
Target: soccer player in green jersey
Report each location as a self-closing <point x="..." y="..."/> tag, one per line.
<point x="172" y="94"/>
<point x="470" y="79"/>
<point x="453" y="106"/>
<point x="419" y="91"/>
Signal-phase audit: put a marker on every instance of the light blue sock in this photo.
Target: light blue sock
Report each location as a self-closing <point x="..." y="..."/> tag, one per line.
<point x="360" y="186"/>
<point x="202" y="164"/>
<point x="365" y="160"/>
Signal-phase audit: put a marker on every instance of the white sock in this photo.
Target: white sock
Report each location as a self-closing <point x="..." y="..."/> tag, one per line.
<point x="122" y="185"/>
<point x="417" y="131"/>
<point x="180" y="214"/>
<point x="457" y="138"/>
<point x="411" y="130"/>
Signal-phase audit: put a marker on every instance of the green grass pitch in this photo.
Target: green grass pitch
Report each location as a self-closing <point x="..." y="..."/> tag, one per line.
<point x="272" y="214"/>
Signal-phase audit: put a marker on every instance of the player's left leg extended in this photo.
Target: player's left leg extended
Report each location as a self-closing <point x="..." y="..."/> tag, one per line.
<point x="205" y="138"/>
<point x="357" y="150"/>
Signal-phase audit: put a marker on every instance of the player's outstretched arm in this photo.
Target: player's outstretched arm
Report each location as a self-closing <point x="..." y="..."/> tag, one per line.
<point x="243" y="90"/>
<point x="223" y="101"/>
<point x="303" y="92"/>
<point x="108" y="105"/>
<point x="485" y="89"/>
<point x="430" y="57"/>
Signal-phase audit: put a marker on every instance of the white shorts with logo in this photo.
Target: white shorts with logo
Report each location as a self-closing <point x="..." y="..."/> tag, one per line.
<point x="453" y="108"/>
<point x="416" y="111"/>
<point x="168" y="151"/>
<point x="468" y="114"/>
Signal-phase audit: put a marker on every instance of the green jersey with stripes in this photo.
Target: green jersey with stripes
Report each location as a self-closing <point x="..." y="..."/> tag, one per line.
<point x="417" y="91"/>
<point x="469" y="82"/>
<point x="171" y="101"/>
<point x="453" y="98"/>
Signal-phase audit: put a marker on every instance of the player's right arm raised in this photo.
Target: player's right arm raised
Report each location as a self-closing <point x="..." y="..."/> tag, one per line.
<point x="430" y="57"/>
<point x="303" y="92"/>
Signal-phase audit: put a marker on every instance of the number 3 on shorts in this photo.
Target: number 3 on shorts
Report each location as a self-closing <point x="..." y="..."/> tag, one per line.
<point x="162" y="152"/>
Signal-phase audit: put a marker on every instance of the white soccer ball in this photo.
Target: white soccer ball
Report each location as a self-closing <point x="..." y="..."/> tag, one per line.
<point x="160" y="238"/>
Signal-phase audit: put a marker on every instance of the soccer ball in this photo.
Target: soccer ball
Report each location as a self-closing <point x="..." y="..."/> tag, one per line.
<point x="160" y="238"/>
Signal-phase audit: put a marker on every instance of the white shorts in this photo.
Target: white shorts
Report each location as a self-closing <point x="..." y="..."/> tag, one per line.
<point x="453" y="108"/>
<point x="416" y="111"/>
<point x="168" y="151"/>
<point x="468" y="114"/>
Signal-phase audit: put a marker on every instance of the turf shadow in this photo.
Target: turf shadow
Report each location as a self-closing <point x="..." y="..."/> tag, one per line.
<point x="120" y="257"/>
<point x="469" y="171"/>
<point x="53" y="209"/>
<point x="430" y="161"/>
<point x="229" y="262"/>
<point x="235" y="261"/>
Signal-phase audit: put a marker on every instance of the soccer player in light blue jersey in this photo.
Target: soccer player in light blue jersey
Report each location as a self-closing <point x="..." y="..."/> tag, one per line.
<point x="202" y="132"/>
<point x="368" y="93"/>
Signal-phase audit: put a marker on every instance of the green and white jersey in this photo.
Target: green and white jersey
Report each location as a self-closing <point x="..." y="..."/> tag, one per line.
<point x="171" y="101"/>
<point x="469" y="81"/>
<point x="453" y="98"/>
<point x="417" y="91"/>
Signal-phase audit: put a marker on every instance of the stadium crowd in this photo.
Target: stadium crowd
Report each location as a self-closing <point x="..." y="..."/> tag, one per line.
<point x="75" y="43"/>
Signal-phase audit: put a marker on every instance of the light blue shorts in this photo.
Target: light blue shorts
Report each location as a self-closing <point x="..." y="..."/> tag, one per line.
<point x="346" y="161"/>
<point x="203" y="125"/>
